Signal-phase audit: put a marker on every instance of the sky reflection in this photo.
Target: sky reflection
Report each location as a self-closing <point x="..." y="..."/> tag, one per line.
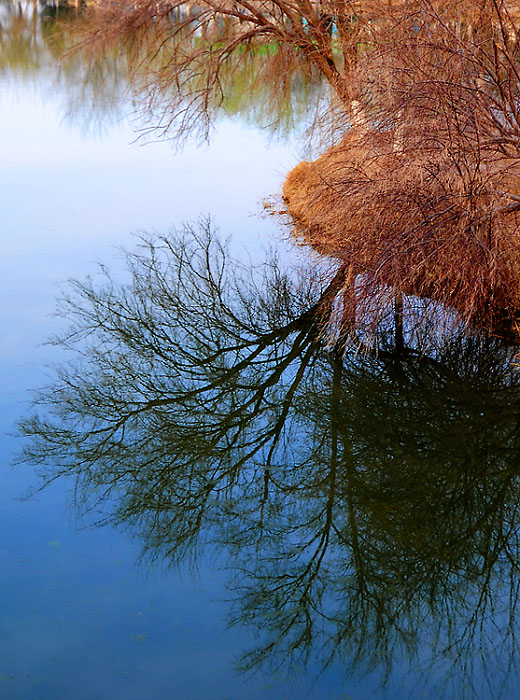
<point x="78" y="618"/>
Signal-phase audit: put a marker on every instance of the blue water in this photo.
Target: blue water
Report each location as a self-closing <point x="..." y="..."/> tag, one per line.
<point x="80" y="617"/>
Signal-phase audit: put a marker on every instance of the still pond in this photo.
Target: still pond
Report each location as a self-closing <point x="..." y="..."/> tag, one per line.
<point x="207" y="502"/>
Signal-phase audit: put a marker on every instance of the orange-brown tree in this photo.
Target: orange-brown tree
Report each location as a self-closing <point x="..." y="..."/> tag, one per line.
<point x="421" y="194"/>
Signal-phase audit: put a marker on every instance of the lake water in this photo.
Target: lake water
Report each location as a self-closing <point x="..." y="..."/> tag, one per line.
<point x="396" y="561"/>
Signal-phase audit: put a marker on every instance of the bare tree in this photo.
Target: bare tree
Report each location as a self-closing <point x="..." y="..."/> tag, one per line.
<point x="421" y="195"/>
<point x="188" y="49"/>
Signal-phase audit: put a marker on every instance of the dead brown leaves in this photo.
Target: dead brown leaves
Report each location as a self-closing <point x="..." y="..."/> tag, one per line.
<point x="425" y="201"/>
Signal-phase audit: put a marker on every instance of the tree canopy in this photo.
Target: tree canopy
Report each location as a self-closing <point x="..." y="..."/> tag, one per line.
<point x="419" y="193"/>
<point x="422" y="194"/>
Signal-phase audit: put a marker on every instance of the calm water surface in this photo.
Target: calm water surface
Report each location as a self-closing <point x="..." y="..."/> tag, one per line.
<point x="379" y="542"/>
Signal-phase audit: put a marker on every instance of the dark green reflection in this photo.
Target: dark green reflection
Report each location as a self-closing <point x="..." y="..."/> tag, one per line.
<point x="36" y="43"/>
<point x="48" y="39"/>
<point x="366" y="503"/>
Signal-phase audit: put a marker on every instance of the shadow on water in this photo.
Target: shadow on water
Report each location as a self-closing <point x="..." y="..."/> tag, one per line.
<point x="365" y="502"/>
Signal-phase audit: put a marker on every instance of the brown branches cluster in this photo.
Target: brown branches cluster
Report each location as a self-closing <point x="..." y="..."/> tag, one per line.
<point x="422" y="195"/>
<point x="187" y="51"/>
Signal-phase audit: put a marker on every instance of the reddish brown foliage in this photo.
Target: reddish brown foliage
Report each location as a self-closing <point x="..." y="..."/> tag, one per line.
<point x="424" y="198"/>
<point x="421" y="196"/>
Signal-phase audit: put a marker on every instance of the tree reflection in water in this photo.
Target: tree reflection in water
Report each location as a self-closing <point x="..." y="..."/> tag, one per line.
<point x="367" y="502"/>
